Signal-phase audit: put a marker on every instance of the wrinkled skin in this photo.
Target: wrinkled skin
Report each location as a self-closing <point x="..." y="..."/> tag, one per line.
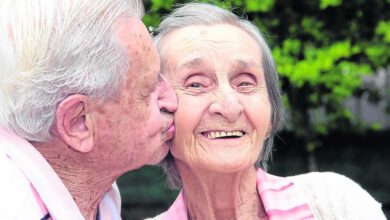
<point x="221" y="87"/>
<point x="132" y="129"/>
<point x="218" y="76"/>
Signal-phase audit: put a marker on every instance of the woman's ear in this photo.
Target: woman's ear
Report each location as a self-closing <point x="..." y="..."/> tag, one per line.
<point x="269" y="130"/>
<point x="74" y="124"/>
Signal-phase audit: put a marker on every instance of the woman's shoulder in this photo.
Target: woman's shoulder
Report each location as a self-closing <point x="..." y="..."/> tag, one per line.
<point x="331" y="184"/>
<point x="335" y="196"/>
<point x="325" y="181"/>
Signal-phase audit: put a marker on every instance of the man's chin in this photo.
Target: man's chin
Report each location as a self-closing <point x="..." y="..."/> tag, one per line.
<point x="159" y="155"/>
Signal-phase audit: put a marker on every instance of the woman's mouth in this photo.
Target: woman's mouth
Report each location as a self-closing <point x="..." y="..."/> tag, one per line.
<point x="223" y="134"/>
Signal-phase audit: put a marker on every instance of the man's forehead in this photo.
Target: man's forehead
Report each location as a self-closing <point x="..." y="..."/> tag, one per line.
<point x="126" y="26"/>
<point x="132" y="36"/>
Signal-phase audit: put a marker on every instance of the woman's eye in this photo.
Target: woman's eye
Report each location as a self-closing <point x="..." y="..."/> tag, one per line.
<point x="244" y="84"/>
<point x="195" y="85"/>
<point x="197" y="82"/>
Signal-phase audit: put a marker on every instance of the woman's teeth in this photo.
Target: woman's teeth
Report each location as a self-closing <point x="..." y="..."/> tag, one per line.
<point x="224" y="134"/>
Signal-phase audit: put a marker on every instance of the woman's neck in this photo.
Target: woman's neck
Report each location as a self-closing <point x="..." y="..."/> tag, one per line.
<point x="211" y="195"/>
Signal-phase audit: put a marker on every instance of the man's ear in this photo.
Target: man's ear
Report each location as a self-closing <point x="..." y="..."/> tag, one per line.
<point x="74" y="124"/>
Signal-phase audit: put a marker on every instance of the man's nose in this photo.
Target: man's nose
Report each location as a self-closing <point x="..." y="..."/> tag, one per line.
<point x="167" y="100"/>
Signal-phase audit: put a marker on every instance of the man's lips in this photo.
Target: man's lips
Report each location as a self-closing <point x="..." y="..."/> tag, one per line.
<point x="171" y="129"/>
<point x="169" y="133"/>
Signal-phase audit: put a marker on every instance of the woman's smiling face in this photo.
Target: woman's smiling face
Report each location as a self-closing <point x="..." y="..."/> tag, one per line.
<point x="223" y="115"/>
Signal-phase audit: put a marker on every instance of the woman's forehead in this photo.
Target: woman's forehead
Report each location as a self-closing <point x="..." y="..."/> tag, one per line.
<point x="195" y="45"/>
<point x="217" y="33"/>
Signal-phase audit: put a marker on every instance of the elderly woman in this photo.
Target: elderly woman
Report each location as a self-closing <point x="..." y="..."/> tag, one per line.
<point x="228" y="113"/>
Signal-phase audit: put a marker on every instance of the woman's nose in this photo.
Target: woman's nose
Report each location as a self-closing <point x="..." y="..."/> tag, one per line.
<point x="227" y="104"/>
<point x="167" y="100"/>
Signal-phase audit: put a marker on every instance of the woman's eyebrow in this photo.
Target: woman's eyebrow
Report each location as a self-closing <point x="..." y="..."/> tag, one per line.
<point x="244" y="63"/>
<point x="191" y="62"/>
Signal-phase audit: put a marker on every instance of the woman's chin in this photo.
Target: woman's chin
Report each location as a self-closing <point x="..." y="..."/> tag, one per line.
<point x="226" y="165"/>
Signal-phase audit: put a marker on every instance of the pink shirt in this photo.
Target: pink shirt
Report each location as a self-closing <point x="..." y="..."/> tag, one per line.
<point x="281" y="198"/>
<point x="30" y="189"/>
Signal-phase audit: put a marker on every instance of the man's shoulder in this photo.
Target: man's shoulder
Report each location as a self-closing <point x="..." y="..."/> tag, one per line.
<point x="17" y="195"/>
<point x="155" y="218"/>
<point x="333" y="195"/>
<point x="12" y="178"/>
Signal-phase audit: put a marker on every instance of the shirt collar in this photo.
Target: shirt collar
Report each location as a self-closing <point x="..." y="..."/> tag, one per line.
<point x="49" y="186"/>
<point x="281" y="198"/>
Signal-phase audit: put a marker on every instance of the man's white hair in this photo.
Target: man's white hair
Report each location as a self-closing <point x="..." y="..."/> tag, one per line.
<point x="50" y="49"/>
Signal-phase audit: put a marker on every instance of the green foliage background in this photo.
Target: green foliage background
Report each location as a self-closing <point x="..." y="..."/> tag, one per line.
<point x="323" y="49"/>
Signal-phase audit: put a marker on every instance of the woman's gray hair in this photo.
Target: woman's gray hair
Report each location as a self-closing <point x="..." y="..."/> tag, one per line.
<point x="205" y="14"/>
<point x="52" y="49"/>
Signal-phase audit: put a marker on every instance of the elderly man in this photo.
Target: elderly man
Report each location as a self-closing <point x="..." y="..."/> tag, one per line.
<point x="81" y="102"/>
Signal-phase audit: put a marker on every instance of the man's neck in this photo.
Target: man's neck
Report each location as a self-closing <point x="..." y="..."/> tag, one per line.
<point x="85" y="183"/>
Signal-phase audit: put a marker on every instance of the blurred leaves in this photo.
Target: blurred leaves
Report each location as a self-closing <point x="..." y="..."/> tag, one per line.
<point x="162" y="4"/>
<point x="148" y="187"/>
<point x="329" y="3"/>
<point x="384" y="29"/>
<point x="323" y="49"/>
<point x="258" y="5"/>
